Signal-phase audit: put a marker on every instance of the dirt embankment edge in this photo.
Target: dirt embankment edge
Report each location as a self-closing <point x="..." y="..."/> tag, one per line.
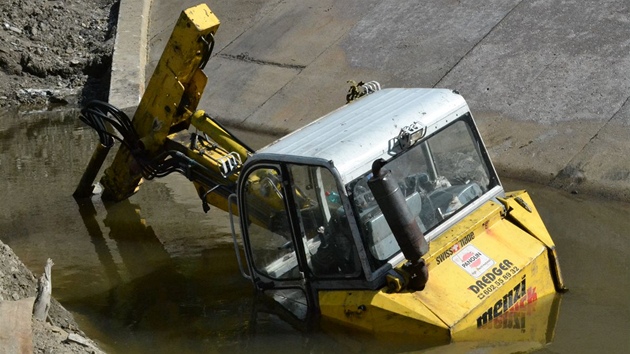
<point x="52" y="52"/>
<point x="60" y="332"/>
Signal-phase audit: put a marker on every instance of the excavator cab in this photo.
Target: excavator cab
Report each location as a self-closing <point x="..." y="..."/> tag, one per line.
<point x="310" y="221"/>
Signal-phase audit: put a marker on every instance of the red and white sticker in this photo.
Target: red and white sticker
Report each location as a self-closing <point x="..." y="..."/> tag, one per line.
<point x="473" y="261"/>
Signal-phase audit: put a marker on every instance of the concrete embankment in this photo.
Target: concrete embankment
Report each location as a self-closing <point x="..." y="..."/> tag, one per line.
<point x="547" y="81"/>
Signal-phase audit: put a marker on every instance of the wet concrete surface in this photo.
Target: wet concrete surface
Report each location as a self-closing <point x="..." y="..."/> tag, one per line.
<point x="547" y="79"/>
<point x="156" y="275"/>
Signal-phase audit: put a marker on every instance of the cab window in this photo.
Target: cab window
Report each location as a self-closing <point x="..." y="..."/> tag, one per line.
<point x="438" y="177"/>
<point x="268" y="225"/>
<point x="326" y="235"/>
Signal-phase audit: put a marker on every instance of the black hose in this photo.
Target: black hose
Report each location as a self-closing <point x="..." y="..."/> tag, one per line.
<point x="99" y="115"/>
<point x="102" y="115"/>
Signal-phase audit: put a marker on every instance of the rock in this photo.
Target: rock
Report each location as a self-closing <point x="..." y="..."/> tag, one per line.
<point x="44" y="292"/>
<point x="12" y="28"/>
<point x="73" y="337"/>
<point x="15" y="326"/>
<point x="9" y="63"/>
<point x="45" y="337"/>
<point x="33" y="67"/>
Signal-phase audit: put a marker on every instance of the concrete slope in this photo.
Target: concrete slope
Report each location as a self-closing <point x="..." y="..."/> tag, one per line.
<point x="547" y="80"/>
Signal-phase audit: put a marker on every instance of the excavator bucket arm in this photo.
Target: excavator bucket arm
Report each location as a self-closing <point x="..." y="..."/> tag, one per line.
<point x="150" y="145"/>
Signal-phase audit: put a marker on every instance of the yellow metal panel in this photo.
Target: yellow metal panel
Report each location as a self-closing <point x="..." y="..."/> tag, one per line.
<point x="380" y="313"/>
<point x="526" y="327"/>
<point x="524" y="212"/>
<point x="461" y="234"/>
<point x="406" y="305"/>
<point x="519" y="313"/>
<point x="485" y="267"/>
<point x="202" y="18"/>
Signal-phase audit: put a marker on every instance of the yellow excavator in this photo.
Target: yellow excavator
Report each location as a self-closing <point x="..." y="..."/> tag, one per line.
<point x="385" y="215"/>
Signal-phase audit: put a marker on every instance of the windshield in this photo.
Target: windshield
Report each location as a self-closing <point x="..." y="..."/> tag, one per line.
<point x="438" y="177"/>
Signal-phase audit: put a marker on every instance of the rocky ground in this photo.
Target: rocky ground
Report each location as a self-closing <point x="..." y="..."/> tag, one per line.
<point x="60" y="333"/>
<point x="55" y="51"/>
<point x="52" y="52"/>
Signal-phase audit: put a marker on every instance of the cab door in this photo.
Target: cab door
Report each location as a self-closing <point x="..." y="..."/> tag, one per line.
<point x="296" y="233"/>
<point x="270" y="227"/>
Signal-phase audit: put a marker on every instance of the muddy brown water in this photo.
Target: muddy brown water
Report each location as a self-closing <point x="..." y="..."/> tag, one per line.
<point x="154" y="274"/>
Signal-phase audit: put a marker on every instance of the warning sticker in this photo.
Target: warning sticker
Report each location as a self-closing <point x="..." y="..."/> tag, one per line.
<point x="473" y="261"/>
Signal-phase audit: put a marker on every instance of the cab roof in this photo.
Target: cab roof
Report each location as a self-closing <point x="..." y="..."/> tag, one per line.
<point x="353" y="136"/>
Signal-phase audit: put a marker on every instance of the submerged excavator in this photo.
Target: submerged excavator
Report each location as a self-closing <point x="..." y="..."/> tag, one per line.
<point x="385" y="215"/>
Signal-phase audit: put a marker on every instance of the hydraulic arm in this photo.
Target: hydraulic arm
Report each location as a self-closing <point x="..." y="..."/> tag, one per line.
<point x="150" y="145"/>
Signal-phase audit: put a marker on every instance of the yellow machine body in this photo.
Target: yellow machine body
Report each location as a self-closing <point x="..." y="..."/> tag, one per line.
<point x="493" y="274"/>
<point x="486" y="275"/>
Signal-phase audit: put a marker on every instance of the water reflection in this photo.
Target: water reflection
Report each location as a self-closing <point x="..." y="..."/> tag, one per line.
<point x="88" y="214"/>
<point x="154" y="274"/>
<point x="151" y="292"/>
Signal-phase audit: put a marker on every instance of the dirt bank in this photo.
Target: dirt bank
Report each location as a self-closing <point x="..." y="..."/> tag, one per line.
<point x="52" y="52"/>
<point x="16" y="283"/>
<point x="55" y="51"/>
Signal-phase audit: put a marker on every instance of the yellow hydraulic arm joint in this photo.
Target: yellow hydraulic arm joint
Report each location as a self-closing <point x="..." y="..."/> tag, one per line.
<point x="171" y="96"/>
<point x="219" y="152"/>
<point x="215" y="132"/>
